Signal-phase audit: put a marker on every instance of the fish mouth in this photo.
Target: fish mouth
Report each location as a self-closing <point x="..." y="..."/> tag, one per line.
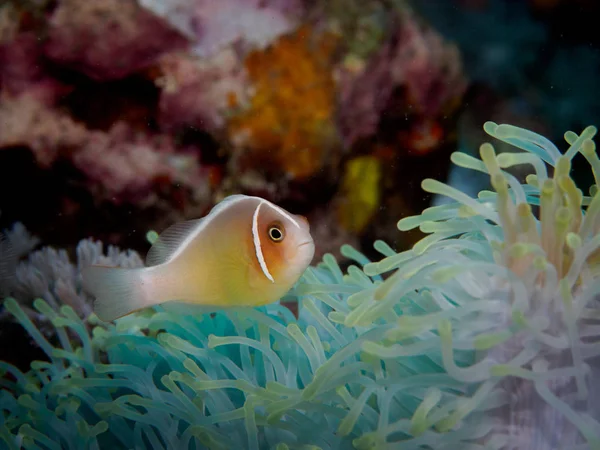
<point x="305" y="243"/>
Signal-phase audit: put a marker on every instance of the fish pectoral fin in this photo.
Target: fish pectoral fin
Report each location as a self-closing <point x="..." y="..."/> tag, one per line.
<point x="254" y="282"/>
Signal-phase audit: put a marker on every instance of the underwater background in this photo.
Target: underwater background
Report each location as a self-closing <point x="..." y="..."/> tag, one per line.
<point x="443" y="152"/>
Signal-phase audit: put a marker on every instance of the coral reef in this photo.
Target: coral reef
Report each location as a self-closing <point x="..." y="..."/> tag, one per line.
<point x="290" y="118"/>
<point x="360" y="192"/>
<point x="29" y="122"/>
<point x="109" y="39"/>
<point x="128" y="164"/>
<point x="49" y="274"/>
<point x="21" y="69"/>
<point x="415" y="58"/>
<point x="200" y="93"/>
<point x="213" y="26"/>
<point x="484" y="336"/>
<point x="363" y="24"/>
<point x="120" y="164"/>
<point x="150" y="111"/>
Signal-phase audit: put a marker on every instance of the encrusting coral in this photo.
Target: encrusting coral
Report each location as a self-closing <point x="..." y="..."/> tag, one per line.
<point x="361" y="192"/>
<point x="483" y="337"/>
<point x="291" y="116"/>
<point x="412" y="56"/>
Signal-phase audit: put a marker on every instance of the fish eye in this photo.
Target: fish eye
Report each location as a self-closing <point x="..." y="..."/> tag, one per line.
<point x="276" y="233"/>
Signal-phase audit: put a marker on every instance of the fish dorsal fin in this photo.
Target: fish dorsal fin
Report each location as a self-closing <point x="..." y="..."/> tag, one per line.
<point x="171" y="240"/>
<point x="226" y="202"/>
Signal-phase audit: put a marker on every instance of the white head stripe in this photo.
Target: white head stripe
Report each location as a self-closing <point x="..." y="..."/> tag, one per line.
<point x="257" y="246"/>
<point x="283" y="213"/>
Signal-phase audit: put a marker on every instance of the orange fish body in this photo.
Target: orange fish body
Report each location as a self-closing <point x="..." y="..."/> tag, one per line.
<point x="245" y="252"/>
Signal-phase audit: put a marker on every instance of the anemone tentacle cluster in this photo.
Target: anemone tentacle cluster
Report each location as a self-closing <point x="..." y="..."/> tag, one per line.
<point x="483" y="335"/>
<point x="518" y="289"/>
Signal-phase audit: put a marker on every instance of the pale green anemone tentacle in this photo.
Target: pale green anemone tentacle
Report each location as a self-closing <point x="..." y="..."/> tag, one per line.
<point x="414" y="350"/>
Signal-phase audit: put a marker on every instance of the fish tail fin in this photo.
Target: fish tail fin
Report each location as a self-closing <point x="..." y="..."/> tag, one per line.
<point x="118" y="291"/>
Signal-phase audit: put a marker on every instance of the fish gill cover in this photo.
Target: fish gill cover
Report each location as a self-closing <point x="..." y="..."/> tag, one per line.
<point x="485" y="335"/>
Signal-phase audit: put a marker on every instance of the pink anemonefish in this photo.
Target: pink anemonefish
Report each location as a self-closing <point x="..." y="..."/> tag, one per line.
<point x="245" y="252"/>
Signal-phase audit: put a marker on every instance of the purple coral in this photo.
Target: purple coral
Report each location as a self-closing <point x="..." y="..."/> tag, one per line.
<point x="413" y="57"/>
<point x="121" y="164"/>
<point x="19" y="62"/>
<point x="27" y="101"/>
<point x="28" y="122"/>
<point x="213" y="25"/>
<point x="22" y="69"/>
<point x="198" y="92"/>
<point x="110" y="39"/>
<point x="50" y="273"/>
<point x="127" y="164"/>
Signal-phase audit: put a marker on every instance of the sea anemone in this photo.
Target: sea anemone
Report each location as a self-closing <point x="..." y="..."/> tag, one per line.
<point x="483" y="337"/>
<point x="521" y="291"/>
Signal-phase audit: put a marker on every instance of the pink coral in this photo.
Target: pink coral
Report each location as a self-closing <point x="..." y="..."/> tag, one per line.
<point x="108" y="39"/>
<point x="19" y="62"/>
<point x="126" y="164"/>
<point x="22" y="69"/>
<point x="213" y="25"/>
<point x="414" y="57"/>
<point x="121" y="164"/>
<point x="28" y="122"/>
<point x="199" y="92"/>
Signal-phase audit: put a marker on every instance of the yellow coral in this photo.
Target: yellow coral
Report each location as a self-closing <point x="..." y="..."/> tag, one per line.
<point x="361" y="193"/>
<point x="290" y="118"/>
